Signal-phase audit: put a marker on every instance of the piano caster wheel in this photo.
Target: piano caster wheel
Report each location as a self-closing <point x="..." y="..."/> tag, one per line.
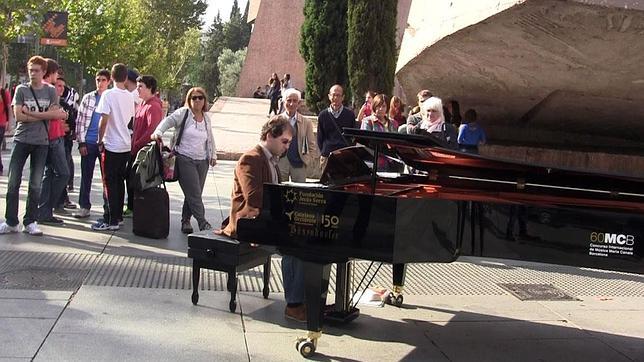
<point x="265" y="292"/>
<point x="232" y="306"/>
<point x="395" y="300"/>
<point x="306" y="346"/>
<point x="399" y="300"/>
<point x="195" y="298"/>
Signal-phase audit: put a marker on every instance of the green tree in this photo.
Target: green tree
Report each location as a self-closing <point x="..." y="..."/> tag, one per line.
<point x="211" y="49"/>
<point x="323" y="45"/>
<point x="101" y="34"/>
<point x="19" y="18"/>
<point x="172" y="18"/>
<point x="236" y="30"/>
<point x="371" y="45"/>
<point x="168" y="26"/>
<point x="230" y="65"/>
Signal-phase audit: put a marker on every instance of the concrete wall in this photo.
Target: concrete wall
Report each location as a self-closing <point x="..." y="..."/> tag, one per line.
<point x="274" y="46"/>
<point x="608" y="163"/>
<point x="274" y="43"/>
<point x="543" y="73"/>
<point x="431" y="21"/>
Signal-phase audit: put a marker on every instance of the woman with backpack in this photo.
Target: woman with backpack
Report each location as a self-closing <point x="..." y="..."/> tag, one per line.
<point x="194" y="149"/>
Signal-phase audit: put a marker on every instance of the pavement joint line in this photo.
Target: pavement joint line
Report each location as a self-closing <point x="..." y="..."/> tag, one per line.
<point x="433" y="342"/>
<point x="71" y="297"/>
<point x="36" y="318"/>
<point x="243" y="323"/>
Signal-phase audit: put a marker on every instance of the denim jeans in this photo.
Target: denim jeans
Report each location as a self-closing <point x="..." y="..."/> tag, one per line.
<point x="55" y="179"/>
<point x="87" y="173"/>
<point x="38" y="158"/>
<point x="293" y="275"/>
<point x="2" y="130"/>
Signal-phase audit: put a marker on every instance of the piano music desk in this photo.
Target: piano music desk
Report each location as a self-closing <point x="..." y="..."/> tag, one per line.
<point x="219" y="252"/>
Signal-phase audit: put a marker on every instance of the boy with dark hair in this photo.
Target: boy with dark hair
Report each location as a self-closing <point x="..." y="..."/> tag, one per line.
<point x="115" y="143"/>
<point x="87" y="123"/>
<point x="56" y="169"/>
<point x="470" y="133"/>
<point x="69" y="102"/>
<point x="34" y="105"/>
<point x="147" y="117"/>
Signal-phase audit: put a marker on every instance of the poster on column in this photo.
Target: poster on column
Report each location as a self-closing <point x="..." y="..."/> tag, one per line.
<point x="55" y="29"/>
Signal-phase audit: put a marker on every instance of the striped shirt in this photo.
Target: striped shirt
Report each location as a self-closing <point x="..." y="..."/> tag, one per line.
<point x="84" y="118"/>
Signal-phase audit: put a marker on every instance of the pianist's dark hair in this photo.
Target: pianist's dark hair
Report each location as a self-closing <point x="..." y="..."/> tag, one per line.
<point x="275" y="126"/>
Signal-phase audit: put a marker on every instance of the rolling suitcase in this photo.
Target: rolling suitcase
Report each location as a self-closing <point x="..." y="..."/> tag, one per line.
<point x="151" y="216"/>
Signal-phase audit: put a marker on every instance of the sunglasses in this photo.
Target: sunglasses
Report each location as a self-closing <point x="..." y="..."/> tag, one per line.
<point x="197" y="98"/>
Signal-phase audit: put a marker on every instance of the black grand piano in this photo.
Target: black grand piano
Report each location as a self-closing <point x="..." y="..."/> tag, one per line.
<point x="449" y="204"/>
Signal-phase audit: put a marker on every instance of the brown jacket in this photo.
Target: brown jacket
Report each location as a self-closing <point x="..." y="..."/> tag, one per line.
<point x="251" y="172"/>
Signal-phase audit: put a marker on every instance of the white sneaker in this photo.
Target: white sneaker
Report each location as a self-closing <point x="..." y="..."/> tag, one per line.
<point x="6" y="228"/>
<point x="82" y="213"/>
<point x="32" y="229"/>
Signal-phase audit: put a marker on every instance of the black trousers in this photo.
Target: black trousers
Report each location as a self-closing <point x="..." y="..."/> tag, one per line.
<point x="114" y="167"/>
<point x="130" y="189"/>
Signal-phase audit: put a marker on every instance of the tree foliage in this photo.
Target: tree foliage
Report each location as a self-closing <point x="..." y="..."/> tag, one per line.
<point x="230" y="65"/>
<point x="172" y="18"/>
<point x="236" y="30"/>
<point x="19" y="18"/>
<point x="110" y="26"/>
<point x="211" y="49"/>
<point x="371" y="45"/>
<point x="157" y="37"/>
<point x="323" y="45"/>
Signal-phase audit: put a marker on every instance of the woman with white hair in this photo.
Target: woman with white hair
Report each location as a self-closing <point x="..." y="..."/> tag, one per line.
<point x="434" y="124"/>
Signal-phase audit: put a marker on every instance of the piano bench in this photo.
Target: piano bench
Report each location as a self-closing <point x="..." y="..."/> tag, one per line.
<point x="219" y="252"/>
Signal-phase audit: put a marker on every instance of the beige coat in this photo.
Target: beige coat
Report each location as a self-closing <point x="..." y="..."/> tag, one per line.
<point x="306" y="141"/>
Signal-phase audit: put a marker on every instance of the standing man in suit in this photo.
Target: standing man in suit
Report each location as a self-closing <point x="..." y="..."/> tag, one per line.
<point x="303" y="151"/>
<point x="256" y="167"/>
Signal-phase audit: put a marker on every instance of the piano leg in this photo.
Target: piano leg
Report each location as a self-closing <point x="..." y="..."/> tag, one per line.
<point x="395" y="297"/>
<point x="316" y="282"/>
<point x="232" y="288"/>
<point x="196" y="274"/>
<point x="343" y="311"/>
<point x="342" y="287"/>
<point x="267" y="277"/>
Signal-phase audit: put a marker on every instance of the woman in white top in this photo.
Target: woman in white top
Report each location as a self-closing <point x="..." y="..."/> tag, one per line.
<point x="195" y="151"/>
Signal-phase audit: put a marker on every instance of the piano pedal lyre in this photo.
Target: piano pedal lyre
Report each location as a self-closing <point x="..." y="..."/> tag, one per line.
<point x="307" y="345"/>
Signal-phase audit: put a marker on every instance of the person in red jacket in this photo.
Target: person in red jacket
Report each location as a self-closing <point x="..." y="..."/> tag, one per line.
<point x="5" y="117"/>
<point x="149" y="114"/>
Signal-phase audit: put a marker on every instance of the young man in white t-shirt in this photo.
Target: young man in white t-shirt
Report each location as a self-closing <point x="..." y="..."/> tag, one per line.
<point x="116" y="107"/>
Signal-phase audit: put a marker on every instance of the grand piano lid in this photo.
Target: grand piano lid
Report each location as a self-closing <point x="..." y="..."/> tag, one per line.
<point x="429" y="154"/>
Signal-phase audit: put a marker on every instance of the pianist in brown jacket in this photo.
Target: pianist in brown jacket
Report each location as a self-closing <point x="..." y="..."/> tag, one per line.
<point x="256" y="167"/>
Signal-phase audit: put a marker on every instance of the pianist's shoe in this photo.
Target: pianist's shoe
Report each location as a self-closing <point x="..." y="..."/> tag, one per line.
<point x="296" y="313"/>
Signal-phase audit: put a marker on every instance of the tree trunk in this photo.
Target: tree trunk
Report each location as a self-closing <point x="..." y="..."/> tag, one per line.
<point x="3" y="71"/>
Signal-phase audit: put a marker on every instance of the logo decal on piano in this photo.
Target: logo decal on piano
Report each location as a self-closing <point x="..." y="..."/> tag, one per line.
<point x="290" y="196"/>
<point x="611" y="244"/>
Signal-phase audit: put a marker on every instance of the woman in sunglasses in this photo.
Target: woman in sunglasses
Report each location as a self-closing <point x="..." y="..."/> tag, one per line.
<point x="194" y="147"/>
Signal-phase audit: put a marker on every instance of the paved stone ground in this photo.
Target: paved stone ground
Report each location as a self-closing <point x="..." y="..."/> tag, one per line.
<point x="79" y="295"/>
